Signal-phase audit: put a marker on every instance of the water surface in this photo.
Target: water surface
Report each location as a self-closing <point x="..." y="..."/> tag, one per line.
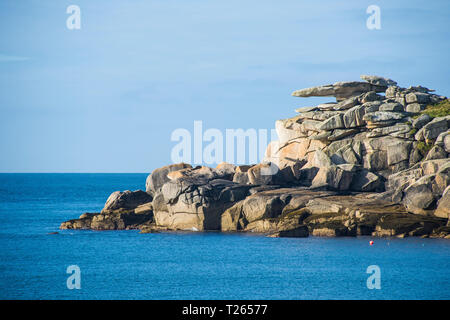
<point x="129" y="265"/>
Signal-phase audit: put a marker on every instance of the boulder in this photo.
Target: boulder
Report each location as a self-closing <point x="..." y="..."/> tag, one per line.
<point x="418" y="97"/>
<point x="436" y="152"/>
<point x="378" y="81"/>
<point x="354" y="117"/>
<point x="391" y="106"/>
<point x="418" y="197"/>
<point x="333" y="178"/>
<point x="366" y="181"/>
<point x="421" y="121"/>
<point x="432" y="129"/>
<point x="241" y="178"/>
<point x="298" y="232"/>
<point x="340" y="90"/>
<point x="398" y="152"/>
<point x="443" y="207"/>
<point x="158" y="177"/>
<point x="401" y="128"/>
<point x="320" y="159"/>
<point x="382" y="118"/>
<point x="443" y="140"/>
<point x="197" y="203"/>
<point x="264" y="173"/>
<point x="370" y="97"/>
<point x="415" y="107"/>
<point x="225" y="168"/>
<point x="372" y="106"/>
<point x="289" y="129"/>
<point x="335" y="122"/>
<point x="126" y="200"/>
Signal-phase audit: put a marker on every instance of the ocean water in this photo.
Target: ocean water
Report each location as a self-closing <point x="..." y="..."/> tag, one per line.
<point x="129" y="265"/>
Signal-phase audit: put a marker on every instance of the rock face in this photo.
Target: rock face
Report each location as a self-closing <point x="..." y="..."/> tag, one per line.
<point x="375" y="162"/>
<point x="126" y="200"/>
<point x="123" y="210"/>
<point x="197" y="203"/>
<point x="157" y="178"/>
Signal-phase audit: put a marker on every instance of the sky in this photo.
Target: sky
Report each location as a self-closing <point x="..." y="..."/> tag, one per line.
<point x="107" y="97"/>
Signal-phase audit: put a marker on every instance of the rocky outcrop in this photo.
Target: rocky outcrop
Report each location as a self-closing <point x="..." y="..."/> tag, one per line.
<point x="123" y="210"/>
<point x="375" y="162"/>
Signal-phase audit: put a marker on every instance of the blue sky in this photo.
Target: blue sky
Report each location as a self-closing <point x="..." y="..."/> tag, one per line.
<point x="106" y="98"/>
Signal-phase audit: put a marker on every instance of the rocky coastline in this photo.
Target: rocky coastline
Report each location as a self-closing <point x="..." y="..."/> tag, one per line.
<point x="375" y="162"/>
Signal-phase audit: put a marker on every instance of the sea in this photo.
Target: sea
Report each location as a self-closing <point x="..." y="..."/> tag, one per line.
<point x="38" y="263"/>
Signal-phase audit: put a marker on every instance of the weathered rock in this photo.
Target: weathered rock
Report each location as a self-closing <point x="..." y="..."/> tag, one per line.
<point x="241" y="178"/>
<point x="372" y="106"/>
<point x="398" y="152"/>
<point x="289" y="129"/>
<point x="126" y="200"/>
<point x="378" y="81"/>
<point x="383" y="131"/>
<point x="264" y="173"/>
<point x="158" y="177"/>
<point x="226" y="169"/>
<point x="432" y="129"/>
<point x="370" y="97"/>
<point x="418" y="197"/>
<point x="112" y="220"/>
<point x="332" y="177"/>
<point x="443" y="140"/>
<point x="417" y="97"/>
<point x="340" y="90"/>
<point x="346" y="154"/>
<point x="323" y="135"/>
<point x="335" y="122"/>
<point x="320" y="159"/>
<point x="415" y="107"/>
<point x="354" y="117"/>
<point x="443" y="208"/>
<point x="298" y="232"/>
<point x="347" y="103"/>
<point x="391" y="106"/>
<point x="382" y="118"/>
<point x="339" y="134"/>
<point x="197" y="204"/>
<point x="421" y="121"/>
<point x="406" y="225"/>
<point x="436" y="152"/>
<point x="366" y="181"/>
<point x="324" y="176"/>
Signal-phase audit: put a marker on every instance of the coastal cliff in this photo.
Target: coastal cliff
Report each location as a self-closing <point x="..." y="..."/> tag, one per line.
<point x="375" y="162"/>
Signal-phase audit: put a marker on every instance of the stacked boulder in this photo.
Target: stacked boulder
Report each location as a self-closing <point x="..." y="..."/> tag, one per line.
<point x="371" y="163"/>
<point x="358" y="142"/>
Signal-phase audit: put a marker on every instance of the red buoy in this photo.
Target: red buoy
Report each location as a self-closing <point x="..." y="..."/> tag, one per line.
<point x="371" y="242"/>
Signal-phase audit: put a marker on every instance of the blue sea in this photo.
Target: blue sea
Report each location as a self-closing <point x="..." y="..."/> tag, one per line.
<point x="129" y="265"/>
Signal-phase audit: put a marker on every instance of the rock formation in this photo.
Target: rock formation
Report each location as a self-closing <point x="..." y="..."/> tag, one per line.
<point x="375" y="162"/>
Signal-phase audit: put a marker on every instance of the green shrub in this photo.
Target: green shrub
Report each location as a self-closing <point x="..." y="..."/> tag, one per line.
<point x="424" y="148"/>
<point x="413" y="131"/>
<point x="440" y="109"/>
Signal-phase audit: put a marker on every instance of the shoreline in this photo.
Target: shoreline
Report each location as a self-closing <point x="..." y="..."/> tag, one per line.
<point x="374" y="162"/>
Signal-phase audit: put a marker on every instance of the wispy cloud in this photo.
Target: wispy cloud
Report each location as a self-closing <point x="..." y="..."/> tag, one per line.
<point x="11" y="58"/>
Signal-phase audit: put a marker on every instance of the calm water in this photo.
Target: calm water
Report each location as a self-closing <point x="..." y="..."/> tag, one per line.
<point x="129" y="265"/>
